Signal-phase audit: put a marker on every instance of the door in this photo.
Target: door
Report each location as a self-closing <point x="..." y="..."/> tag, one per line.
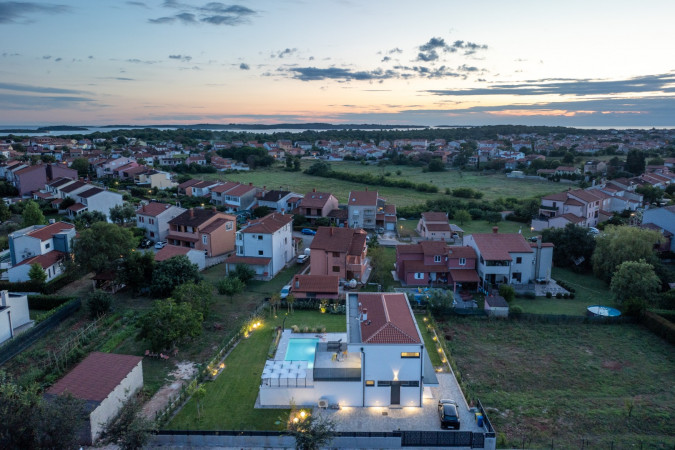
<point x="395" y="393"/>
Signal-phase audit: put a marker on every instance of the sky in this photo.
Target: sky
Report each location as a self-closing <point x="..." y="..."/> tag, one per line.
<point x="445" y="62"/>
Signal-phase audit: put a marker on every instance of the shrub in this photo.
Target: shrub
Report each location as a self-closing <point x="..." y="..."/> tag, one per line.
<point x="572" y="295"/>
<point x="566" y="295"/>
<point x="507" y="292"/>
<point x="99" y="303"/>
<point x="529" y="295"/>
<point x="47" y="302"/>
<point x="516" y="309"/>
<point x="549" y="295"/>
<point x="295" y="329"/>
<point x="558" y="295"/>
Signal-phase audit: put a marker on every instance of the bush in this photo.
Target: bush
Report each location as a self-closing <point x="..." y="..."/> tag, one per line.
<point x="549" y="295"/>
<point x="572" y="295"/>
<point x="530" y="295"/>
<point x="99" y="303"/>
<point x="47" y="302"/>
<point x="507" y="292"/>
<point x="516" y="309"/>
<point x="566" y="295"/>
<point x="558" y="295"/>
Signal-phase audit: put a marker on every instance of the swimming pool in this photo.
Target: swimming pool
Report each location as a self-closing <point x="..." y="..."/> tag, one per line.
<point x="301" y="349"/>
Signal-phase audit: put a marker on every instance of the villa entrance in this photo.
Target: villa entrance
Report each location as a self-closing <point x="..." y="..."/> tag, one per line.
<point x="395" y="393"/>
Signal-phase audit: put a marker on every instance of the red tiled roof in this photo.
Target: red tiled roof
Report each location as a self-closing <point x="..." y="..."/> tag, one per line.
<point x="213" y="226"/>
<point x="153" y="209"/>
<point x="269" y="224"/>
<point x="560" y="197"/>
<point x="250" y="260"/>
<point x="464" y="275"/>
<point x="389" y="320"/>
<point x="573" y="202"/>
<point x="464" y="251"/>
<point x="90" y="192"/>
<point x="195" y="217"/>
<point x="586" y="196"/>
<point x="76" y="207"/>
<point x="438" y="226"/>
<point x="187" y="184"/>
<point x="96" y="377"/>
<point x="431" y="248"/>
<point x="47" y="260"/>
<point x="29" y="169"/>
<point x="343" y="240"/>
<point x="363" y="198"/>
<point x="572" y="218"/>
<point x="204" y="184"/>
<point x="74" y="186"/>
<point x="47" y="232"/>
<point x="169" y="251"/>
<point x="240" y="190"/>
<point x="315" y="199"/>
<point x="434" y="217"/>
<point x="325" y="284"/>
<point x="224" y="187"/>
<point x="407" y="249"/>
<point x="496" y="246"/>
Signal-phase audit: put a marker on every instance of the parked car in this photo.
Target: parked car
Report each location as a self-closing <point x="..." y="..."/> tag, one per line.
<point x="308" y="231"/>
<point x="593" y="230"/>
<point x="302" y="259"/>
<point x="448" y="414"/>
<point x="380" y="230"/>
<point x="285" y="291"/>
<point x="145" y="243"/>
<point x="160" y="244"/>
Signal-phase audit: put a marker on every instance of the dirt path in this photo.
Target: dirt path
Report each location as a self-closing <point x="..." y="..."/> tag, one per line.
<point x="78" y="288"/>
<point x="181" y="375"/>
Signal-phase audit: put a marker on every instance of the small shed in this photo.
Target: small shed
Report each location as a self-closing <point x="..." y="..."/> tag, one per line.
<point x="496" y="306"/>
<point x="105" y="381"/>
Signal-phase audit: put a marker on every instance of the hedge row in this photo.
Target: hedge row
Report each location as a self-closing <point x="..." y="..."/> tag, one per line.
<point x="49" y="288"/>
<point x="659" y="326"/>
<point x="47" y="302"/>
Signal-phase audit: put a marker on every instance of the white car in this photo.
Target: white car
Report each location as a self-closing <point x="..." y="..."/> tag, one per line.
<point x="302" y="259"/>
<point x="160" y="244"/>
<point x="285" y="291"/>
<point x="593" y="230"/>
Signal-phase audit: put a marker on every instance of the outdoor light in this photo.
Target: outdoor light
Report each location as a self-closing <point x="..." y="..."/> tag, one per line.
<point x="439" y="350"/>
<point x="222" y="365"/>
<point x="303" y="414"/>
<point x="296" y="420"/>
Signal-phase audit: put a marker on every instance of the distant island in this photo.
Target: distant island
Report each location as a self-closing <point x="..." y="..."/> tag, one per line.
<point x="45" y="129"/>
<point x="277" y="126"/>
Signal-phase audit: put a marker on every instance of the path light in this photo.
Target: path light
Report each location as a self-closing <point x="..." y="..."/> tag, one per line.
<point x="296" y="420"/>
<point x="303" y="414"/>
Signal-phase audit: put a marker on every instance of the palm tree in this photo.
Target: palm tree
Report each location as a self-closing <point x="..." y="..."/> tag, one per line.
<point x="274" y="302"/>
<point x="289" y="302"/>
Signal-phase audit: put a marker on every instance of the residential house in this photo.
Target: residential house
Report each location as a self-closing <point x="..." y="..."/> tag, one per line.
<point x="381" y="361"/>
<point x="185" y="188"/>
<point x="279" y="201"/>
<point x="33" y="178"/>
<point x="385" y="217"/>
<point x="203" y="229"/>
<point x="594" y="167"/>
<point x="315" y="286"/>
<point x="362" y="208"/>
<point x="237" y="198"/>
<point x="105" y="382"/>
<point x="154" y="179"/>
<point x="203" y="188"/>
<point x="195" y="256"/>
<point x="580" y="206"/>
<point x="154" y="219"/>
<point x="507" y="258"/>
<point x="434" y="263"/>
<point x="96" y="199"/>
<point x="315" y="205"/>
<point x="664" y="218"/>
<point x="51" y="263"/>
<point x="265" y="245"/>
<point x="339" y="251"/>
<point x="434" y="226"/>
<point x="39" y="240"/>
<point x="14" y="315"/>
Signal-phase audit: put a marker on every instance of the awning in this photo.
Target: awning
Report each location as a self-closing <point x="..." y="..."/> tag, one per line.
<point x="464" y="276"/>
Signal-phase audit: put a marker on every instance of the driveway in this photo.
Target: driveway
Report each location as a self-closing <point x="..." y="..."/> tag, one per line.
<point x="408" y="418"/>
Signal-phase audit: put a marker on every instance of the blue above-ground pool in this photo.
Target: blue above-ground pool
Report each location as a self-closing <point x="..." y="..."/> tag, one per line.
<point x="603" y="311"/>
<point x="301" y="349"/>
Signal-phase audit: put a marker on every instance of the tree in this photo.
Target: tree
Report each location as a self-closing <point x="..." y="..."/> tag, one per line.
<point x="66" y="203"/>
<point x="103" y="246"/>
<point x="99" y="303"/>
<point x="635" y="162"/>
<point x="507" y="292"/>
<point x="574" y="246"/>
<point x="290" y="299"/>
<point x="88" y="218"/>
<point x="436" y="165"/>
<point x="4" y="211"/>
<point x="244" y="273"/>
<point x="136" y="270"/>
<point x="261" y="211"/>
<point x="173" y="272"/>
<point x="462" y="216"/>
<point x="168" y="323"/>
<point x="130" y="430"/>
<point x="199" y="295"/>
<point x="493" y="217"/>
<point x="618" y="244"/>
<point x="633" y="284"/>
<point x="275" y="299"/>
<point x="650" y="193"/>
<point x="37" y="274"/>
<point x="81" y="165"/>
<point x="311" y="432"/>
<point x="230" y="285"/>
<point x="381" y="267"/>
<point x="199" y="395"/>
<point x="121" y="214"/>
<point x="32" y="215"/>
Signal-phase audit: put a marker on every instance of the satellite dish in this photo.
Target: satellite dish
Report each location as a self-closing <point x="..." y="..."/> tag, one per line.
<point x="352" y="283"/>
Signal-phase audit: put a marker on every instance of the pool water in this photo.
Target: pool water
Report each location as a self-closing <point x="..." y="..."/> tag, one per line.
<point x="301" y="350"/>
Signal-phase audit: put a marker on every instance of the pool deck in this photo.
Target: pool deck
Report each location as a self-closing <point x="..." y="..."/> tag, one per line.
<point x="288" y="335"/>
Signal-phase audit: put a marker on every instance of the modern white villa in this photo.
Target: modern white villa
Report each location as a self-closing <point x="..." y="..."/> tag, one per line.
<point x="380" y="361"/>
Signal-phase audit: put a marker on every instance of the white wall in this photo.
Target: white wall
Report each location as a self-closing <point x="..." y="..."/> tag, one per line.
<point x="111" y="405"/>
<point x="342" y="392"/>
<point x="103" y="201"/>
<point x="26" y="247"/>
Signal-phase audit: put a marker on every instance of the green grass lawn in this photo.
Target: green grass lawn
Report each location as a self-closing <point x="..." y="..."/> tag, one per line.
<point x="229" y="400"/>
<point x="407" y="227"/>
<point x="428" y="340"/>
<point x="493" y="186"/>
<point x="564" y="382"/>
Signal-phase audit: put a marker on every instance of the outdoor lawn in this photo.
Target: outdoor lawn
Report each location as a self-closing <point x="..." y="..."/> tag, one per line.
<point x="407" y="227"/>
<point x="491" y="185"/>
<point x="229" y="400"/>
<point x="552" y="385"/>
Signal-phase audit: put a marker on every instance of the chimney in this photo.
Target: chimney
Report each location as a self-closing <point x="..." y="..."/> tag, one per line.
<point x="331" y="231"/>
<point x="192" y="213"/>
<point x="313" y="189"/>
<point x="495" y="230"/>
<point x="364" y="314"/>
<point x="213" y="208"/>
<point x="143" y="207"/>
<point x="250" y="184"/>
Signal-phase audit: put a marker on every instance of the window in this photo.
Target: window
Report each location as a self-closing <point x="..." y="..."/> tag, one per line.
<point x="229" y="226"/>
<point x="336" y="268"/>
<point x="47" y="245"/>
<point x="410" y="383"/>
<point x="519" y="260"/>
<point x="151" y="221"/>
<point x="152" y="234"/>
<point x="141" y="219"/>
<point x="205" y="239"/>
<point x="370" y="382"/>
<point x="383" y="383"/>
<point x="410" y="354"/>
<point x="260" y="252"/>
<point x="462" y="261"/>
<point x="437" y="258"/>
<point x="240" y="250"/>
<point x="260" y="236"/>
<point x="336" y="254"/>
<point x="419" y="275"/>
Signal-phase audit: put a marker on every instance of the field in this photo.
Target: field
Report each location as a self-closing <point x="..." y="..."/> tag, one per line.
<point x="229" y="400"/>
<point x="493" y="186"/>
<point x="552" y="385"/>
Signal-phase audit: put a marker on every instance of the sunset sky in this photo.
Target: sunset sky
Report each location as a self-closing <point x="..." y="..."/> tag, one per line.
<point x="571" y="63"/>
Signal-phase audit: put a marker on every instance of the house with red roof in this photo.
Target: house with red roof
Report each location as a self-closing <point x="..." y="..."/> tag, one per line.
<point x="265" y="245"/>
<point x="207" y="230"/>
<point x="433" y="263"/>
<point x="39" y="240"/>
<point x="195" y="256"/>
<point x="315" y="205"/>
<point x="154" y="219"/>
<point x="434" y="226"/>
<point x="234" y="196"/>
<point x="507" y="258"/>
<point x="363" y="207"/>
<point x="92" y="198"/>
<point x="315" y="286"/>
<point x="340" y="252"/>
<point x="105" y="382"/>
<point x="381" y="360"/>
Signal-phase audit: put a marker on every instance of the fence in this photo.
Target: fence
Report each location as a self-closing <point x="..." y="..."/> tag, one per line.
<point x="28" y="338"/>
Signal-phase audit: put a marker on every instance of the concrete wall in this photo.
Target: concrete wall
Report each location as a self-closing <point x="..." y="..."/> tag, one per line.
<point x="103" y="201"/>
<point x="342" y="392"/>
<point x="111" y="405"/>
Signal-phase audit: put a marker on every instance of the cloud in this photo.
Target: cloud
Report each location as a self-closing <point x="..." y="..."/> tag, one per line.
<point x="244" y="66"/>
<point x="282" y="53"/>
<point x="433" y="44"/>
<point x="20" y="12"/>
<point x="47" y="57"/>
<point x="431" y="55"/>
<point x="37" y="89"/>
<point x="576" y="87"/>
<point x="386" y="59"/>
<point x="139" y="4"/>
<point x="429" y="50"/>
<point x="336" y="73"/>
<point x="213" y="13"/>
<point x="43" y="102"/>
<point x="58" y="59"/>
<point x="140" y="61"/>
<point x="395" y="50"/>
<point x="6" y="54"/>
<point x="183" y="58"/>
